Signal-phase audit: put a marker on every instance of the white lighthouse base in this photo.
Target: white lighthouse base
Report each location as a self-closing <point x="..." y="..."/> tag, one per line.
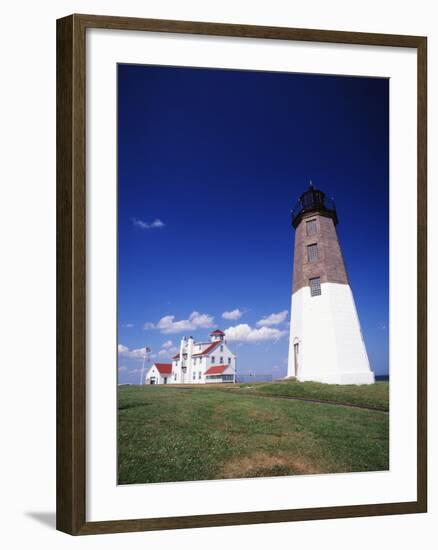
<point x="326" y="343"/>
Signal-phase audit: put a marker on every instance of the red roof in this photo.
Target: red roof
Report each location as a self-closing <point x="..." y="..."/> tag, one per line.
<point x="164" y="368"/>
<point x="217" y="331"/>
<point x="210" y="348"/>
<point x="207" y="350"/>
<point x="216" y="369"/>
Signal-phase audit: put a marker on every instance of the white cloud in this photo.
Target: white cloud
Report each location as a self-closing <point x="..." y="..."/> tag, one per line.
<point x="123" y="369"/>
<point x="244" y="333"/>
<point x="127" y="325"/>
<point x="168" y="325"/>
<point x="135" y="371"/>
<point x="167" y="349"/>
<point x="232" y="315"/>
<point x="168" y="353"/>
<point x="138" y="353"/>
<point x="273" y="319"/>
<point x="144" y="225"/>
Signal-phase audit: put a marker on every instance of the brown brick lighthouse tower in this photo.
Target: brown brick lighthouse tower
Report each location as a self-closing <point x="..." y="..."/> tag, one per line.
<point x="326" y="343"/>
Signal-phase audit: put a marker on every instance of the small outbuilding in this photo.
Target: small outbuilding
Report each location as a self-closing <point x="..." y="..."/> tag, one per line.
<point x="159" y="373"/>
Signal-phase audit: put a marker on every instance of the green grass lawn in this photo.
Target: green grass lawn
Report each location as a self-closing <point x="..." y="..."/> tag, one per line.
<point x="373" y="396"/>
<point x="179" y="433"/>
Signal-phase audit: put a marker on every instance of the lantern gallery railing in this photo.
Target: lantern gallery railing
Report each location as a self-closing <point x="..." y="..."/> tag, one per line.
<point x="313" y="200"/>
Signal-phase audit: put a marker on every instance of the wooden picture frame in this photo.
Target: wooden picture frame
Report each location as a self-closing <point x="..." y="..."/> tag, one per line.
<point x="71" y="273"/>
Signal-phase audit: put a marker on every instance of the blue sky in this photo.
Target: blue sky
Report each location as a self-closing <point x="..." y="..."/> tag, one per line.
<point x="210" y="164"/>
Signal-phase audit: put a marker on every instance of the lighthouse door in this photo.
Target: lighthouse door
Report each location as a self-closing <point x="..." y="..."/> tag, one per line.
<point x="296" y="351"/>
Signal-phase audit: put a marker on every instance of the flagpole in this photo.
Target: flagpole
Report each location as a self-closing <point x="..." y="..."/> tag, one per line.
<point x="142" y="368"/>
<point x="147" y="356"/>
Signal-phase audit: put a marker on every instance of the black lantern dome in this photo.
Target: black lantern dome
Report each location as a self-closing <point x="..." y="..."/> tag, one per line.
<point x="313" y="200"/>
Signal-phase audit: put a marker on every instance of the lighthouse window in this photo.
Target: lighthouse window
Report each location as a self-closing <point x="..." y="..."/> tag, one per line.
<point x="315" y="286"/>
<point x="311" y="228"/>
<point x="312" y="252"/>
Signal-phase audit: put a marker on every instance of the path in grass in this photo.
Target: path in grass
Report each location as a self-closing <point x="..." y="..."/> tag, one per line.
<point x="171" y="434"/>
<point x="259" y="393"/>
<point x="373" y="396"/>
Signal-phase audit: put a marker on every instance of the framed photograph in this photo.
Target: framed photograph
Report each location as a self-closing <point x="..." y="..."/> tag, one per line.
<point x="241" y="274"/>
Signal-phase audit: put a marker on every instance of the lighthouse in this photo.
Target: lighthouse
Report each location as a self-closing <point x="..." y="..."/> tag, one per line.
<point x="326" y="343"/>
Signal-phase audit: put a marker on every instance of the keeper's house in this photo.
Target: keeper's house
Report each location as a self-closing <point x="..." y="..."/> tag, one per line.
<point x="197" y="363"/>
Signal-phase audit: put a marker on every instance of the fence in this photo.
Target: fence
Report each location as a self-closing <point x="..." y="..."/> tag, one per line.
<point x="248" y="378"/>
